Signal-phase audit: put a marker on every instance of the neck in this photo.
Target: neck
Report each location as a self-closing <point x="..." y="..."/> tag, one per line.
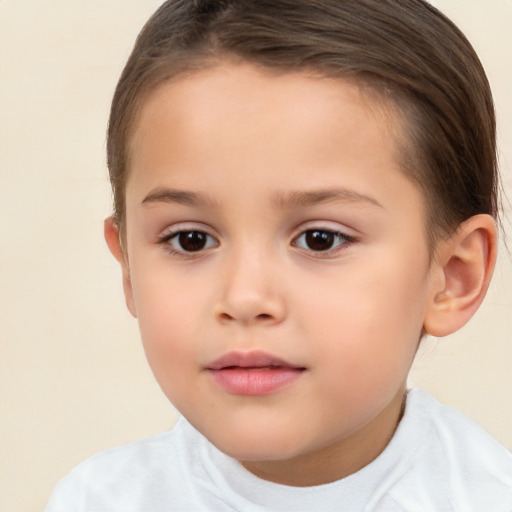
<point x="338" y="460"/>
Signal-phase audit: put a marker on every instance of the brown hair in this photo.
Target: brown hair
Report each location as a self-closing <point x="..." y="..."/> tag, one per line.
<point x="406" y="50"/>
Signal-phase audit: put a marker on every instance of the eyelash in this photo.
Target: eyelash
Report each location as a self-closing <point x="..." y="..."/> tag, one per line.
<point x="167" y="239"/>
<point x="343" y="240"/>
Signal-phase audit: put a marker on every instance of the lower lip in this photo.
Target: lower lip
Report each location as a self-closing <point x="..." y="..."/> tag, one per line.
<point x="255" y="381"/>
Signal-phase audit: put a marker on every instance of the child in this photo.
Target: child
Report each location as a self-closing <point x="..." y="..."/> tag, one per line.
<point x="303" y="189"/>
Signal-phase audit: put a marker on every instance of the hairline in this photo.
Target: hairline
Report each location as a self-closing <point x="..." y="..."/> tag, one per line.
<point x="383" y="94"/>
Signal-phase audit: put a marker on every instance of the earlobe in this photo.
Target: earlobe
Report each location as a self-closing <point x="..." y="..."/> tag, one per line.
<point x="463" y="268"/>
<point x="113" y="239"/>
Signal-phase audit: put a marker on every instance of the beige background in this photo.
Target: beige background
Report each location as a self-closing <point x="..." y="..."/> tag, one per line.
<point x="73" y="378"/>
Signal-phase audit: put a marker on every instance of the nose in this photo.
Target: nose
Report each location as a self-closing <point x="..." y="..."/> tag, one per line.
<point x="250" y="291"/>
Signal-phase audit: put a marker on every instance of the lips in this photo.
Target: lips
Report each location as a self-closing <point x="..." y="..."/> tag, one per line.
<point x="252" y="373"/>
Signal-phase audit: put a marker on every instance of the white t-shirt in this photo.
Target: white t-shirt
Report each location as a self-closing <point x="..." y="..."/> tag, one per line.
<point x="438" y="460"/>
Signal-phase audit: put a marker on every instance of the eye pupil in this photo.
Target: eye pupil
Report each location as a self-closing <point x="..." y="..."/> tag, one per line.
<point x="192" y="241"/>
<point x="319" y="240"/>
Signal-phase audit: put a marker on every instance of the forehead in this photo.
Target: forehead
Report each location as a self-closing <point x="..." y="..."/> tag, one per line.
<point x="251" y="100"/>
<point x="235" y="123"/>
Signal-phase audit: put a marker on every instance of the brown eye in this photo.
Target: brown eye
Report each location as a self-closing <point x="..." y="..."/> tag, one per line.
<point x="319" y="240"/>
<point x="191" y="241"/>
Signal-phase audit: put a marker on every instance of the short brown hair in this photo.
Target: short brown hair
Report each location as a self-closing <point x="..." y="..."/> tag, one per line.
<point x="406" y="48"/>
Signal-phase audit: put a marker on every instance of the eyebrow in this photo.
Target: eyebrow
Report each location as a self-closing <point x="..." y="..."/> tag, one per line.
<point x="295" y="199"/>
<point x="184" y="197"/>
<point x="311" y="198"/>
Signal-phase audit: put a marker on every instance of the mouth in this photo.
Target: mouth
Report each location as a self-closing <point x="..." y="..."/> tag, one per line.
<point x="253" y="373"/>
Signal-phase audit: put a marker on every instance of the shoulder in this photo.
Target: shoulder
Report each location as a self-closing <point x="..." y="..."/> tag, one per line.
<point x="121" y="477"/>
<point x="124" y="459"/>
<point x="458" y="457"/>
<point x="452" y="429"/>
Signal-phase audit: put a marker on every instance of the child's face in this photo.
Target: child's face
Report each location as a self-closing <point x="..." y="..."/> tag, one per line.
<point x="268" y="215"/>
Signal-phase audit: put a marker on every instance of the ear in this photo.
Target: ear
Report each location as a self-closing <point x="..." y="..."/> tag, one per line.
<point x="462" y="270"/>
<point x="113" y="239"/>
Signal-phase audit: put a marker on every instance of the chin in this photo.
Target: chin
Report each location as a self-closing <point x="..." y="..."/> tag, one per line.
<point x="257" y="445"/>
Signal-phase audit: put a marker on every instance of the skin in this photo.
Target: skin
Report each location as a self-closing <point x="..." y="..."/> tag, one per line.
<point x="242" y="144"/>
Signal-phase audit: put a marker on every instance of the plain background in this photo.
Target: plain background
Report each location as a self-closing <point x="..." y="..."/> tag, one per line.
<point x="73" y="378"/>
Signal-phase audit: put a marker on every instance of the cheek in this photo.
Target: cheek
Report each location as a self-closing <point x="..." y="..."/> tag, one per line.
<point x="367" y="324"/>
<point x="169" y="319"/>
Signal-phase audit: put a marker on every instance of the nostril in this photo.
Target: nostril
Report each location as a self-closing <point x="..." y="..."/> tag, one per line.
<point x="264" y="316"/>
